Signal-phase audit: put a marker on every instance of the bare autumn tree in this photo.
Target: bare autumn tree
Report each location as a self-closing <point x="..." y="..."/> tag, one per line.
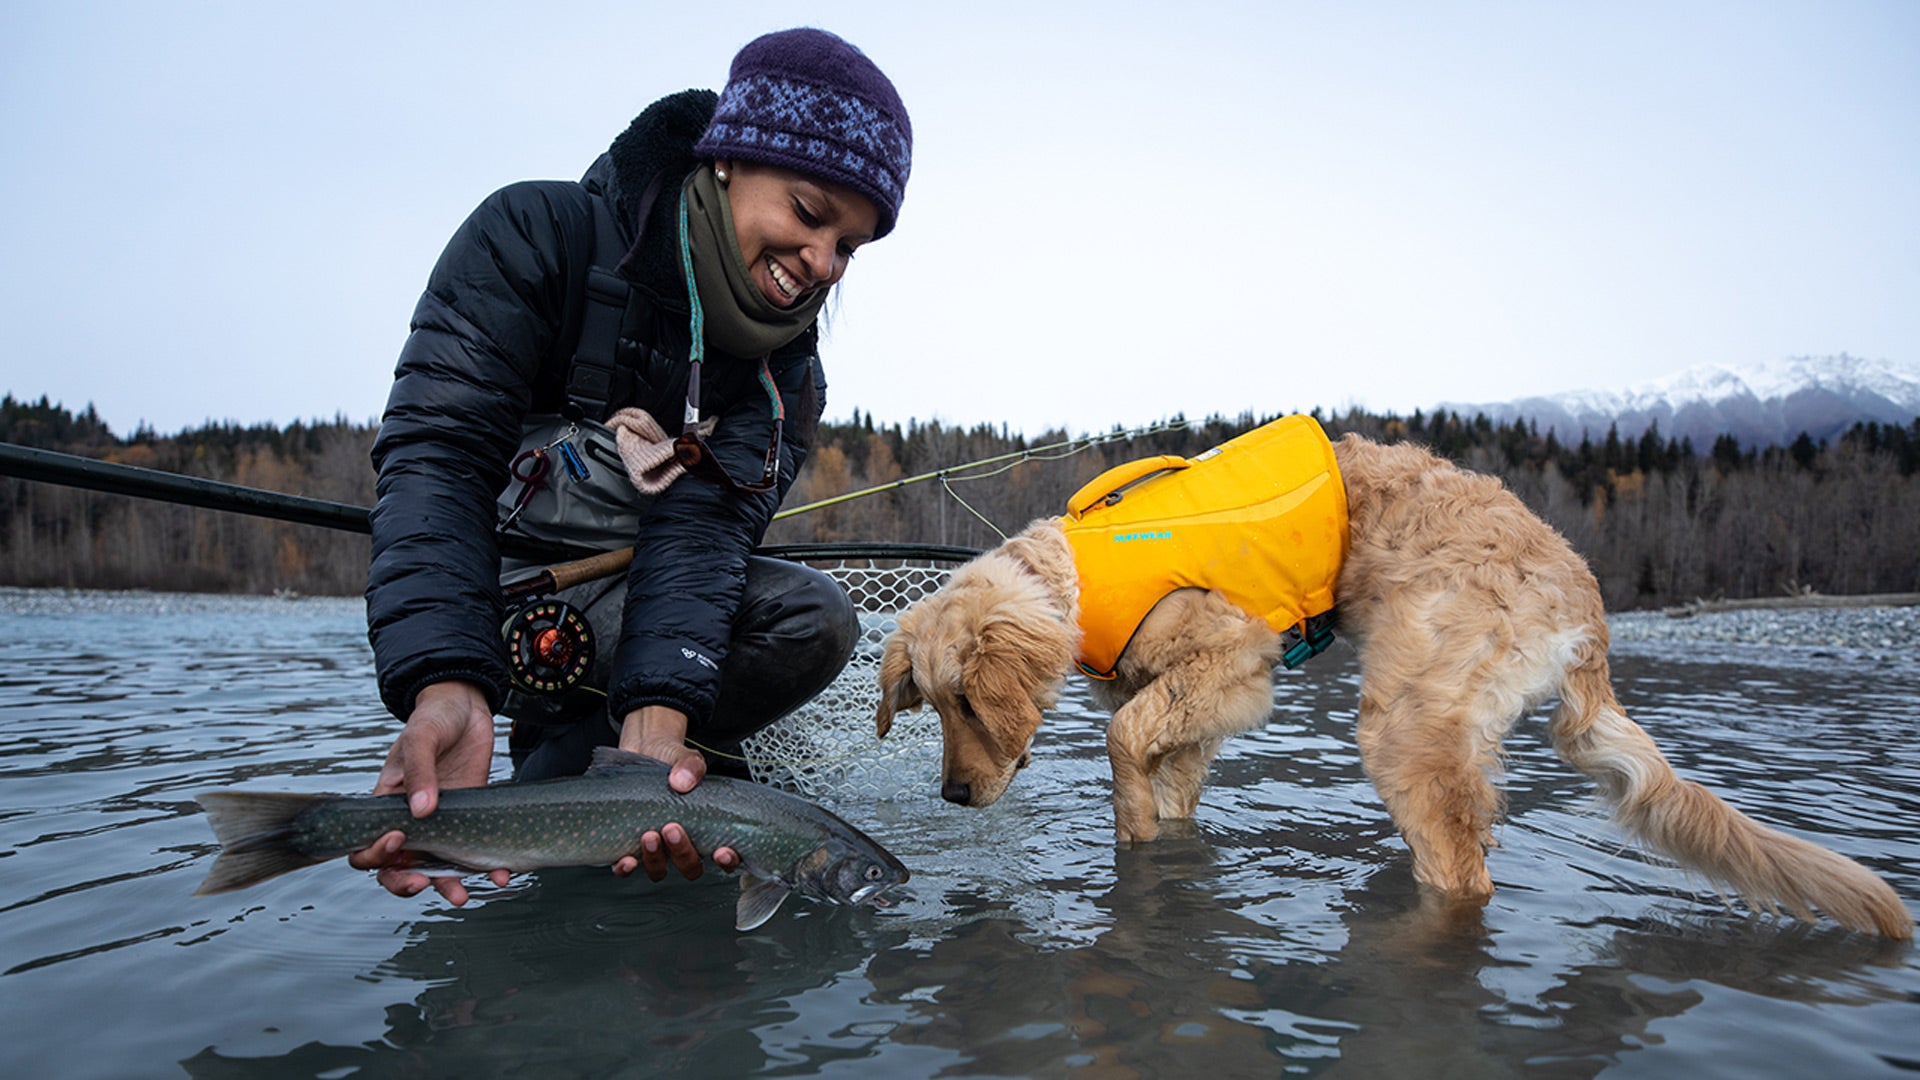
<point x="67" y="537"/>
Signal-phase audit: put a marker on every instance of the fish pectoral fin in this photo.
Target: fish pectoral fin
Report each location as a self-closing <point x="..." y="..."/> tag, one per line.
<point x="759" y="898"/>
<point x="613" y="761"/>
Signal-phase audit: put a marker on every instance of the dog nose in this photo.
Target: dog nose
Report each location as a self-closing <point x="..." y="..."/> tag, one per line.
<point x="957" y="791"/>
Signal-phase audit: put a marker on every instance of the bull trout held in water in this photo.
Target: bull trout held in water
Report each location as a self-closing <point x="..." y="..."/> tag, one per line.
<point x="786" y="844"/>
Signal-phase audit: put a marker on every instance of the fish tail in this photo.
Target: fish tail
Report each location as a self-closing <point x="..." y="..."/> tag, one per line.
<point x="256" y="837"/>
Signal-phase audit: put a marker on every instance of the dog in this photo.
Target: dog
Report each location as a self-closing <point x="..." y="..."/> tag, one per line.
<point x="1466" y="610"/>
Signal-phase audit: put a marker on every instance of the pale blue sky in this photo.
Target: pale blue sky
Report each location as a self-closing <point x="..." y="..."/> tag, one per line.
<point x="1118" y="211"/>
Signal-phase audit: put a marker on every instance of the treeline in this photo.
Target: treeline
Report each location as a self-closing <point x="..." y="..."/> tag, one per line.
<point x="1660" y="521"/>
<point x="56" y="536"/>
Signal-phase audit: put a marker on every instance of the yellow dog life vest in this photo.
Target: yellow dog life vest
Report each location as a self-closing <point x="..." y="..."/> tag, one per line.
<point x="1261" y="519"/>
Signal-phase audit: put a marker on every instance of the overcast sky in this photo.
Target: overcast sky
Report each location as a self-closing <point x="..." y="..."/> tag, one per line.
<point x="1117" y="212"/>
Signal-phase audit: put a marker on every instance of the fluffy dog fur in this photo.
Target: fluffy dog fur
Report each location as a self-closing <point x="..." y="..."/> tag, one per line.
<point x="1466" y="609"/>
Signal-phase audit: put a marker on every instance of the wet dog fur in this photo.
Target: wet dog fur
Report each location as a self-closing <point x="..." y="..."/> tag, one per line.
<point x="1466" y="610"/>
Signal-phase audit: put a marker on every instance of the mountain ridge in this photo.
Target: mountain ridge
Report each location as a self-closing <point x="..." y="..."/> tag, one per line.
<point x="1766" y="404"/>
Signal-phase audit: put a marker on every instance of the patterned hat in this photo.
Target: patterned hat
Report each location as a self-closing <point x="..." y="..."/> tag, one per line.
<point x="809" y="101"/>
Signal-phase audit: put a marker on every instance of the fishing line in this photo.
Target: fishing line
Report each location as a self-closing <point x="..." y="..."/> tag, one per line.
<point x="947" y="476"/>
<point x="759" y="760"/>
<point x="828" y="746"/>
<point x="948" y="488"/>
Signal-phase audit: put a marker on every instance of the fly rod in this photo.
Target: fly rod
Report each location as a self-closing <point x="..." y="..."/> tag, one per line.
<point x="72" y="470"/>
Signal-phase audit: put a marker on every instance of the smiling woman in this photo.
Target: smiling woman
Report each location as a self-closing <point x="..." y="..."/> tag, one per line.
<point x="679" y="279"/>
<point x="795" y="235"/>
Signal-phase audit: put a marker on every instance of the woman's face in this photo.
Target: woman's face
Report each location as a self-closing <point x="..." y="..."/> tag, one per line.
<point x="795" y="233"/>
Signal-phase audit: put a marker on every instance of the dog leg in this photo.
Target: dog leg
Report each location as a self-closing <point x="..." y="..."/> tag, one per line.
<point x="1162" y="740"/>
<point x="1434" y="771"/>
<point x="1177" y="782"/>
<point x="1133" y="820"/>
<point x="1134" y="750"/>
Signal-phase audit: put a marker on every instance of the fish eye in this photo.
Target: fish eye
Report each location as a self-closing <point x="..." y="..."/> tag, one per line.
<point x="873" y="873"/>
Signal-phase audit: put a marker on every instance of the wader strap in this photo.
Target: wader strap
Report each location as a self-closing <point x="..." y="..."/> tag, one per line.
<point x="590" y="378"/>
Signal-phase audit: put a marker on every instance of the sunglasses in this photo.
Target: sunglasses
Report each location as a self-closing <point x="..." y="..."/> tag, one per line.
<point x="693" y="454"/>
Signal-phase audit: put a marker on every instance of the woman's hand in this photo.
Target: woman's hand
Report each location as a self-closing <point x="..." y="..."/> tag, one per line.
<point x="447" y="742"/>
<point x="661" y="734"/>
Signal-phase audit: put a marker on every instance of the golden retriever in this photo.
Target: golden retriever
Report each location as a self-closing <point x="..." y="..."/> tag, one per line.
<point x="1466" y="610"/>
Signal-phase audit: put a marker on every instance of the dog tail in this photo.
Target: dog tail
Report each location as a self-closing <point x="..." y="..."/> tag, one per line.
<point x="1694" y="826"/>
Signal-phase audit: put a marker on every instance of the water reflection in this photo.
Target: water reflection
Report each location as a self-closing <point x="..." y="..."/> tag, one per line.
<point x="1177" y="982"/>
<point x="1157" y="990"/>
<point x="574" y="974"/>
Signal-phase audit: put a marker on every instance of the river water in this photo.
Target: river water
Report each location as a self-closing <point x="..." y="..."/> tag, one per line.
<point x="1281" y="934"/>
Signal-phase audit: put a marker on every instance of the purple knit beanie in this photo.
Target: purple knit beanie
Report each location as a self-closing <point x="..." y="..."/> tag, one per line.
<point x="809" y="101"/>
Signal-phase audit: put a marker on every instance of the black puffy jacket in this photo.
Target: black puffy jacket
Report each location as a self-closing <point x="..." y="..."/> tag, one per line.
<point x="490" y="343"/>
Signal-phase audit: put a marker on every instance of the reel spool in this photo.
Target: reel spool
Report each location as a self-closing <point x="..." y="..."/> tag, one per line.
<point x="549" y="647"/>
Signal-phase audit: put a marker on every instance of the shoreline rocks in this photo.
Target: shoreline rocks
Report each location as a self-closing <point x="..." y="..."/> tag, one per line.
<point x="1885" y="633"/>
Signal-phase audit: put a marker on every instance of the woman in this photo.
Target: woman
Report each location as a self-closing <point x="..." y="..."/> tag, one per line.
<point x="733" y="217"/>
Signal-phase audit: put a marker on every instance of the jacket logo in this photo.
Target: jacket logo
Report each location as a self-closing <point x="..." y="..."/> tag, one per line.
<point x="1158" y="534"/>
<point x="699" y="658"/>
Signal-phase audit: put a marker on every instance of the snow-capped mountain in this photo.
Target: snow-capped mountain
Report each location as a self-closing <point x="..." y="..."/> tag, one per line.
<point x="1764" y="404"/>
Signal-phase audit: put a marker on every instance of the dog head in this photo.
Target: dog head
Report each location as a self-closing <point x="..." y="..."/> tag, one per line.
<point x="989" y="652"/>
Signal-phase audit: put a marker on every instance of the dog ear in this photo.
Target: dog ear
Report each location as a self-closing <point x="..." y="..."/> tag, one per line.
<point x="1011" y="723"/>
<point x="1020" y="654"/>
<point x="898" y="692"/>
<point x="1014" y="671"/>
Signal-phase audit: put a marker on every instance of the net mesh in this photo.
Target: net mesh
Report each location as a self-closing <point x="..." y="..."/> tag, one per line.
<point x="827" y="746"/>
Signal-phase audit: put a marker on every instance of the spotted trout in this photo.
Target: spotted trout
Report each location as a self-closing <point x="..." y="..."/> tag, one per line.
<point x="786" y="844"/>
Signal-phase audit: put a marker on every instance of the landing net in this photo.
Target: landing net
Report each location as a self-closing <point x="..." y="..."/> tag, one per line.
<point x="827" y="746"/>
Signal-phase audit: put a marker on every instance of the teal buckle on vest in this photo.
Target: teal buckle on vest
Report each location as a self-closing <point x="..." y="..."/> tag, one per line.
<point x="1314" y="635"/>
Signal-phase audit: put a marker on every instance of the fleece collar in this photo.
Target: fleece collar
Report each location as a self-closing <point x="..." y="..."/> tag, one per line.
<point x="656" y="146"/>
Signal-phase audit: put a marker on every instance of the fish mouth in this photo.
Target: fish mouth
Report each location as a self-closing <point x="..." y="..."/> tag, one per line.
<point x="876" y="895"/>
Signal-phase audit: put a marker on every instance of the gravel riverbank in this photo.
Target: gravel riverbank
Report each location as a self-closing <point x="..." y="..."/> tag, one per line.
<point x="1881" y="633"/>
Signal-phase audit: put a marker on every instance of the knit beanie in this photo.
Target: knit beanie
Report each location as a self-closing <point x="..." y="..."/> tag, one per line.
<point x="807" y="100"/>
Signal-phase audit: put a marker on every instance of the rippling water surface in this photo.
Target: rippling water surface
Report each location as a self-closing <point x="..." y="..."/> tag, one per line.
<point x="1280" y="934"/>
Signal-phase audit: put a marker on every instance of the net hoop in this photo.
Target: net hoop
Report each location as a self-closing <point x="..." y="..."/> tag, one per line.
<point x="827" y="747"/>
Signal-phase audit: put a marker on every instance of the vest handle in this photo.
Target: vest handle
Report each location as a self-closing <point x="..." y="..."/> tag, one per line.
<point x="1106" y="487"/>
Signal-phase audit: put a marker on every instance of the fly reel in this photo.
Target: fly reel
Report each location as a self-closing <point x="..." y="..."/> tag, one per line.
<point x="549" y="647"/>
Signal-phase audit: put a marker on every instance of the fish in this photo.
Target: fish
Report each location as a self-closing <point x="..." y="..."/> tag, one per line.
<point x="786" y="844"/>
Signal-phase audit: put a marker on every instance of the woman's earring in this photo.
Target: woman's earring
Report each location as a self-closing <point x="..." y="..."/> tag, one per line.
<point x="720" y="174"/>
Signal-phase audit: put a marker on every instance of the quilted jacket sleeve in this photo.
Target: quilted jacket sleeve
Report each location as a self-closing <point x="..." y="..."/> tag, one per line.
<point x="492" y="308"/>
<point x="690" y="556"/>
